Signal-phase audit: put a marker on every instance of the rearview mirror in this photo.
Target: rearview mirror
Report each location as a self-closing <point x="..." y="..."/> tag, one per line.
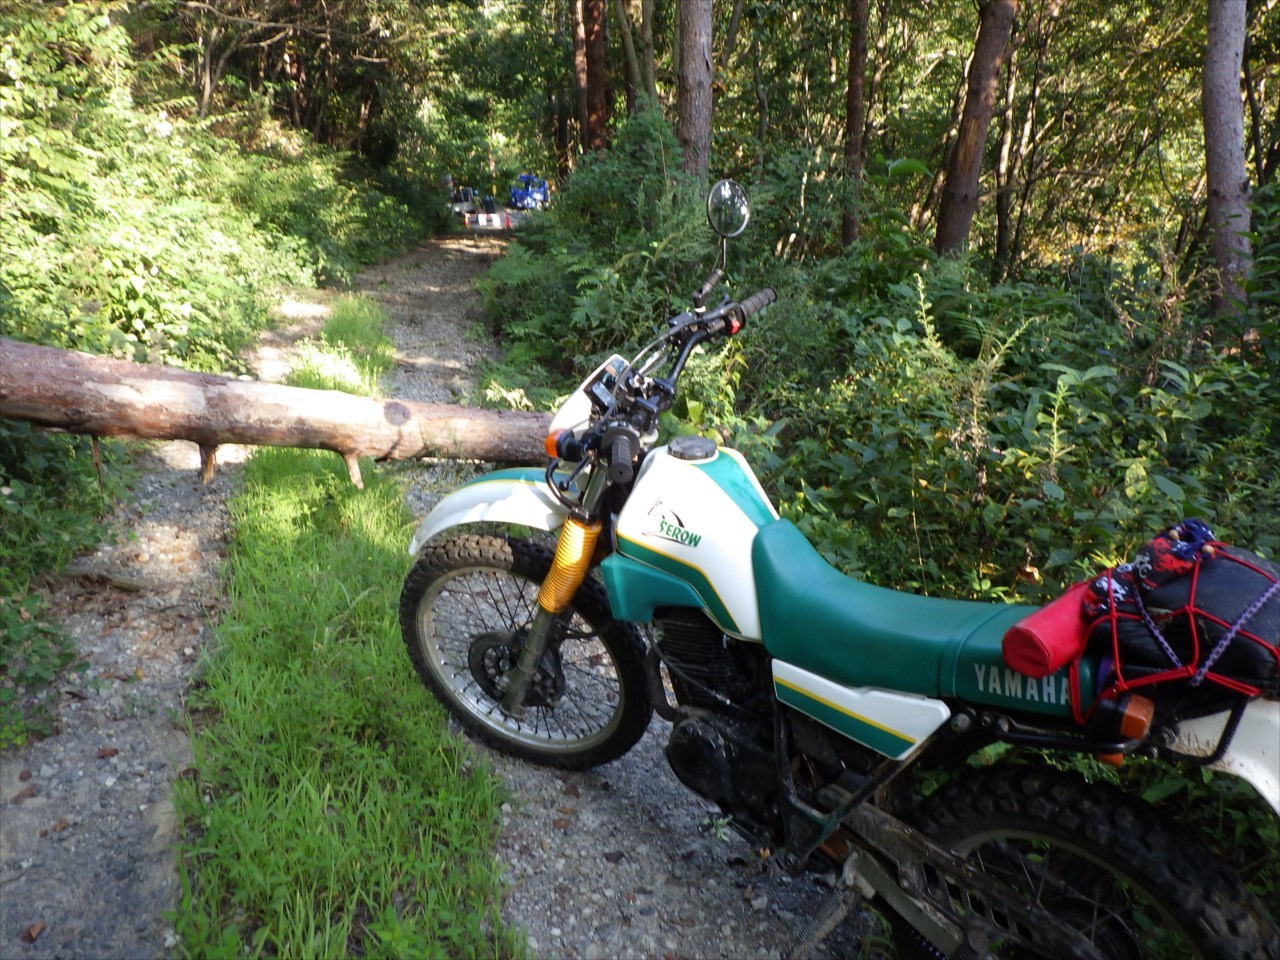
<point x="727" y="209"/>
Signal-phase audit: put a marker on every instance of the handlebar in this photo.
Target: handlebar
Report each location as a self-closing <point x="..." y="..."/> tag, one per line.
<point x="757" y="302"/>
<point x="639" y="399"/>
<point x="729" y="317"/>
<point x="622" y="443"/>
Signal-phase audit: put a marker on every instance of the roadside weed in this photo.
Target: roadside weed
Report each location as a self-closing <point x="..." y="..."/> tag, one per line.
<point x="333" y="813"/>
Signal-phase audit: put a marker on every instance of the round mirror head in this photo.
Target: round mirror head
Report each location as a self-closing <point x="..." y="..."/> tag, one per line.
<point x="727" y="209"/>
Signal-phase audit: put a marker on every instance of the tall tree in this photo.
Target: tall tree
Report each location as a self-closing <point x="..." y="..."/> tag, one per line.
<point x="579" y="69"/>
<point x="594" y="14"/>
<point x="630" y="60"/>
<point x="693" y="85"/>
<point x="960" y="193"/>
<point x="1228" y="183"/>
<point x="854" y="115"/>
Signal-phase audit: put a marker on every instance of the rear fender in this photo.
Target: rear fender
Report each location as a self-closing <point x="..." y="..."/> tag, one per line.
<point x="1254" y="754"/>
<point x="505" y="496"/>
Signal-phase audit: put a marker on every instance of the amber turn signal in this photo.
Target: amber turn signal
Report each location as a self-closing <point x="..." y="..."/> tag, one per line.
<point x="1136" y="714"/>
<point x="552" y="443"/>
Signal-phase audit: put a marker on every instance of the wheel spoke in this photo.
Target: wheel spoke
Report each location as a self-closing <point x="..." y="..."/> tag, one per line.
<point x="465" y="611"/>
<point x="469" y="604"/>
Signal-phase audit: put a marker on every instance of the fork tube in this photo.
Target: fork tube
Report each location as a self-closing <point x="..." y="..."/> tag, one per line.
<point x="569" y="568"/>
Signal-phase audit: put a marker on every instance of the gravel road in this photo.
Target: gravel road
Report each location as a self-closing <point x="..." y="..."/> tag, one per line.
<point x="620" y="861"/>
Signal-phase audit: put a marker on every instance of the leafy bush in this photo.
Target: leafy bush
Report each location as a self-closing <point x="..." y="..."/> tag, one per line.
<point x="49" y="500"/>
<point x="132" y="230"/>
<point x="927" y="429"/>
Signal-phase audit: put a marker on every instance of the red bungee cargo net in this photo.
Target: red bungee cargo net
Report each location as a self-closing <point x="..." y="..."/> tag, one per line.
<point x="1186" y="612"/>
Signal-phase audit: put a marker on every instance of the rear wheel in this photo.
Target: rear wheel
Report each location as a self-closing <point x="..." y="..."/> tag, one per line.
<point x="1102" y="862"/>
<point x="465" y="609"/>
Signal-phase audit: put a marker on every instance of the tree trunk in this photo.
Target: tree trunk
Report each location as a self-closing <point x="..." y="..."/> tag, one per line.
<point x="923" y="209"/>
<point x="731" y="35"/>
<point x="693" y="85"/>
<point x="1228" y="182"/>
<point x="647" y="14"/>
<point x="762" y="106"/>
<point x="81" y="393"/>
<point x="1004" y="172"/>
<point x="960" y="194"/>
<point x="579" y="71"/>
<point x="634" y="81"/>
<point x="594" y="14"/>
<point x="855" y="108"/>
<point x="564" y="154"/>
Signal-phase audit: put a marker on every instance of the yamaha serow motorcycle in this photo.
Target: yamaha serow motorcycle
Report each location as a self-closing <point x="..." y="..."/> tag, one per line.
<point x="801" y="701"/>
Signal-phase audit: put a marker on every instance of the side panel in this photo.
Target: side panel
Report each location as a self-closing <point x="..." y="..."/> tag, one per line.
<point x="1254" y="754"/>
<point x="636" y="589"/>
<point x="504" y="496"/>
<point x="694" y="521"/>
<point x="894" y="724"/>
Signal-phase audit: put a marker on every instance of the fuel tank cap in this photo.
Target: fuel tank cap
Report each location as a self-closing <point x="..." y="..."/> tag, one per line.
<point x="692" y="448"/>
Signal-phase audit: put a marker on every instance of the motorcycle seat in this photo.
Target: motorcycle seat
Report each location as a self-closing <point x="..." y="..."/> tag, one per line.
<point x="819" y="619"/>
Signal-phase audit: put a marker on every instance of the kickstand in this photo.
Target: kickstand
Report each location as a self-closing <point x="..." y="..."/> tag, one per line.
<point x="844" y="897"/>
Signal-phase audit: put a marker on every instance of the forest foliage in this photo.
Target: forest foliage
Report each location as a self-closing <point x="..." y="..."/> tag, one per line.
<point x="932" y="422"/>
<point x="935" y="422"/>
<point x="989" y="425"/>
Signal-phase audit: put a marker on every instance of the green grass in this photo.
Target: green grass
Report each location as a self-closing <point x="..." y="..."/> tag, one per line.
<point x="351" y="354"/>
<point x="333" y="814"/>
<point x="52" y="498"/>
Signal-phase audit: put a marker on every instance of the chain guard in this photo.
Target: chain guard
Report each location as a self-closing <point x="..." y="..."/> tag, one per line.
<point x="950" y="901"/>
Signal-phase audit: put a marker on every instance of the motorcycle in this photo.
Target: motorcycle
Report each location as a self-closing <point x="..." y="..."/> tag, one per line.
<point x="803" y="703"/>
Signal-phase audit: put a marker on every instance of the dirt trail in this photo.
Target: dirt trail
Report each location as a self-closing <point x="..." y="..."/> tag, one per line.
<point x="87" y="867"/>
<point x="620" y="861"/>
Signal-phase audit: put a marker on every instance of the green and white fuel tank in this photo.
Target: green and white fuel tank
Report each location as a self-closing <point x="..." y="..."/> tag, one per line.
<point x="684" y="537"/>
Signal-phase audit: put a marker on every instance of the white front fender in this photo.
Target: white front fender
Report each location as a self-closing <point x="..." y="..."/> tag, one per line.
<point x="505" y="496"/>
<point x="1254" y="753"/>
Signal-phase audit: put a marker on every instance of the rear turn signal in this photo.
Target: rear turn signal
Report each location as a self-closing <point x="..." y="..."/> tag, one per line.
<point x="1133" y="721"/>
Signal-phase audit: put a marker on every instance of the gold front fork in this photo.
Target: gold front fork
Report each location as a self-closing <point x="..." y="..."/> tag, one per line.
<point x="569" y="568"/>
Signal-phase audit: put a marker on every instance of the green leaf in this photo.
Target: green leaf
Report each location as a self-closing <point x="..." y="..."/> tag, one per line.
<point x="1169" y="488"/>
<point x="906" y="167"/>
<point x="1164" y="789"/>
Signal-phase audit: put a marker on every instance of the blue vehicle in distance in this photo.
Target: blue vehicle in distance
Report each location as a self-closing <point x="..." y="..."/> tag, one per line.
<point x="530" y="193"/>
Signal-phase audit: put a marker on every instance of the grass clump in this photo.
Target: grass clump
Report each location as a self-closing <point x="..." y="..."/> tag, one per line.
<point x="334" y="814"/>
<point x="351" y="354"/>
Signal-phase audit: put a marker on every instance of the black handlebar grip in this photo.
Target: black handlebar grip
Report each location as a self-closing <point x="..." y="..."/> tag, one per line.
<point x="620" y="454"/>
<point x="757" y="302"/>
<point x="704" y="291"/>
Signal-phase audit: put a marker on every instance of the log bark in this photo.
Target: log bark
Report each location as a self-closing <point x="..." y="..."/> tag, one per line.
<point x="80" y="393"/>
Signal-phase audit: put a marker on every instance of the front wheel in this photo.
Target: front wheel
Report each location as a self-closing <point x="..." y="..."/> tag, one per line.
<point x="1101" y="861"/>
<point x="465" y="610"/>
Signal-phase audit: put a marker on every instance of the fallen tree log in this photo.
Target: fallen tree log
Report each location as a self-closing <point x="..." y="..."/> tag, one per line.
<point x="81" y="393"/>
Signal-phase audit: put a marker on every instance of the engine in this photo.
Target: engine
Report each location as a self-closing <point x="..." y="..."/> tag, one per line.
<point x="707" y="668"/>
<point x="721" y="744"/>
<point x="729" y="762"/>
